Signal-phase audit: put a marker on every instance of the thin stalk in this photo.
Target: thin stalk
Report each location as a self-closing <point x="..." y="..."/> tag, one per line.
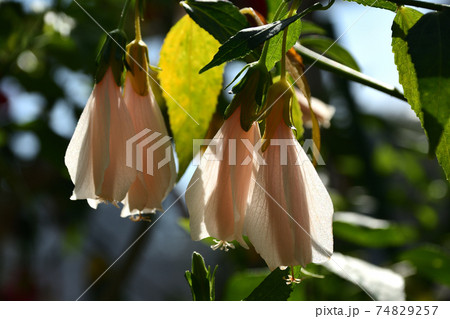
<point x="137" y="20"/>
<point x="325" y="63"/>
<point x="421" y="4"/>
<point x="283" y="56"/>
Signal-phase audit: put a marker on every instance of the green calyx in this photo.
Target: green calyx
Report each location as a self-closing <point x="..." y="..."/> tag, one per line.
<point x="250" y="94"/>
<point x="137" y="63"/>
<point x="277" y="109"/>
<point x="112" y="55"/>
<point x="283" y="95"/>
<point x="287" y="111"/>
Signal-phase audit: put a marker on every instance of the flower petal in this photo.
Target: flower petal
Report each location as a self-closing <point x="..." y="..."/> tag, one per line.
<point x="290" y="217"/>
<point x="218" y="192"/>
<point x="87" y="155"/>
<point x="149" y="190"/>
<point x="118" y="176"/>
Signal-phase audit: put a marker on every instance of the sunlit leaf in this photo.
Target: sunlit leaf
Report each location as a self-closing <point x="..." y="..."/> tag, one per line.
<point x="221" y="19"/>
<point x="272" y="7"/>
<point x="191" y="97"/>
<point x="330" y="49"/>
<point x="443" y="150"/>
<point x="429" y="47"/>
<point x="379" y="283"/>
<point x="247" y="40"/>
<point x="382" y="4"/>
<point x="275" y="44"/>
<point x="403" y="21"/>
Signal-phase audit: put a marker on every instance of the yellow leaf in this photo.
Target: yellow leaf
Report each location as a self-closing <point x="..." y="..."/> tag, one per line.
<point x="191" y="97"/>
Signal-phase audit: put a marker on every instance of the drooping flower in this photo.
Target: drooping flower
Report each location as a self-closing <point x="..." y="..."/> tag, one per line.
<point x="95" y="157"/>
<point x="217" y="195"/>
<point x="289" y="220"/>
<point x="219" y="191"/>
<point x="156" y="177"/>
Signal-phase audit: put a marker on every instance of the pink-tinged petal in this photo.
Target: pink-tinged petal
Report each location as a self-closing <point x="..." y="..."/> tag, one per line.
<point x="289" y="220"/>
<point x="93" y="203"/>
<point x="149" y="188"/>
<point x="95" y="156"/>
<point x="87" y="155"/>
<point x="218" y="191"/>
<point x="137" y="195"/>
<point x="242" y="176"/>
<point x="118" y="176"/>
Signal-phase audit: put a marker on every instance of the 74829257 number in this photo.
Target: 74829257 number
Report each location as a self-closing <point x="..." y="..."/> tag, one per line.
<point x="407" y="310"/>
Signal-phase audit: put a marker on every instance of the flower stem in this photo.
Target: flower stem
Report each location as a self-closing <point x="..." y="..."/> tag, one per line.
<point x="123" y="14"/>
<point x="283" y="45"/>
<point x="137" y="20"/>
<point x="325" y="63"/>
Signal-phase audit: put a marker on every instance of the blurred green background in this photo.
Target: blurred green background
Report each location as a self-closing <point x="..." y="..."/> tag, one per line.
<point x="391" y="200"/>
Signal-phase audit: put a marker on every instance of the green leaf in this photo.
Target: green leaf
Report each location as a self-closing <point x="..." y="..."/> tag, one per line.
<point x="382" y="4"/>
<point x="443" y="151"/>
<point x="191" y="98"/>
<point x="221" y="19"/>
<point x="241" y="284"/>
<point x="272" y="7"/>
<point x="201" y="280"/>
<point x="242" y="44"/>
<point x="429" y="47"/>
<point x="403" y="21"/>
<point x="431" y="262"/>
<point x="274" y="50"/>
<point x="333" y="51"/>
<point x="370" y="232"/>
<point x="272" y="288"/>
<point x="309" y="27"/>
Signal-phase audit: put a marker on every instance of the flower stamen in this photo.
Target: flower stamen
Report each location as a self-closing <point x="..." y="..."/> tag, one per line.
<point x="222" y="245"/>
<point x="292" y="280"/>
<point x="140" y="217"/>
